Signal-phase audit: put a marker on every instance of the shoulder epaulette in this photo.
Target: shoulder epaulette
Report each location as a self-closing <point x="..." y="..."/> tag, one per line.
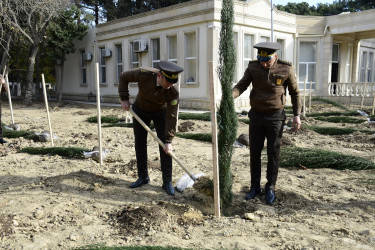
<point x="284" y="62"/>
<point x="146" y="71"/>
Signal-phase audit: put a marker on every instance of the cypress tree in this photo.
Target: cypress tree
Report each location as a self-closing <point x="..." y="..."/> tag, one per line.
<point x="227" y="115"/>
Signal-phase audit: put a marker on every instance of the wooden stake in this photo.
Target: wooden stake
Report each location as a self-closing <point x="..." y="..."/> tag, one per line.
<point x="373" y="101"/>
<point x="3" y="75"/>
<point x="215" y="158"/>
<point x="363" y="95"/>
<point x="98" y="111"/>
<point x="304" y="98"/>
<point x="46" y="103"/>
<point x="178" y="107"/>
<point x="310" y="97"/>
<point x="9" y="98"/>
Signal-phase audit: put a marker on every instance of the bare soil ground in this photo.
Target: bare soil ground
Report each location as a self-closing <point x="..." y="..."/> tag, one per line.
<point x="53" y="202"/>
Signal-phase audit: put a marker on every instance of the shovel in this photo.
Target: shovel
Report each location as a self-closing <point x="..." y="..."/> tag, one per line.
<point x="192" y="176"/>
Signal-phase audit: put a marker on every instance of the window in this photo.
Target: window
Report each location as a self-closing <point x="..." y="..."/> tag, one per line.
<point x="155" y="52"/>
<point x="119" y="61"/>
<point x="307" y="64"/>
<point x="348" y="69"/>
<point x="335" y="63"/>
<point x="370" y="67"/>
<point x="190" y="58"/>
<point x="280" y="52"/>
<point x="264" y="39"/>
<point x="235" y="40"/>
<point x="362" y="70"/>
<point x="83" y="68"/>
<point x="134" y="63"/>
<point x="102" y="66"/>
<point x="172" y="48"/>
<point x="247" y="50"/>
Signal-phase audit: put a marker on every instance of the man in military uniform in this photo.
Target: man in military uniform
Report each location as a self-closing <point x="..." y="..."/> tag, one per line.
<point x="270" y="77"/>
<point x="157" y="101"/>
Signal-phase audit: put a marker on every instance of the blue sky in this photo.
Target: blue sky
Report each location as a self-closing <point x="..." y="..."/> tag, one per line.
<point x="311" y="2"/>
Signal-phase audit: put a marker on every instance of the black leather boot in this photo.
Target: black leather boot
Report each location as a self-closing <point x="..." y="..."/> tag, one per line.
<point x="2" y="141"/>
<point x="169" y="189"/>
<point x="253" y="192"/>
<point x="270" y="196"/>
<point x="140" y="182"/>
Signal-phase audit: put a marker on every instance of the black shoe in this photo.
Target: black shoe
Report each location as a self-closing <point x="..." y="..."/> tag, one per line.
<point x="140" y="182"/>
<point x="270" y="196"/>
<point x="169" y="189"/>
<point x="253" y="192"/>
<point x="2" y="141"/>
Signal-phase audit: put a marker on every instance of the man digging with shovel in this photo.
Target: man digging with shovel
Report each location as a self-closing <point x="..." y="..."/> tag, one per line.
<point x="157" y="101"/>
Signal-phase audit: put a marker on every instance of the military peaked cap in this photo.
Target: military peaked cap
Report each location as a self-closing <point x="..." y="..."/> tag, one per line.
<point x="266" y="50"/>
<point x="170" y="70"/>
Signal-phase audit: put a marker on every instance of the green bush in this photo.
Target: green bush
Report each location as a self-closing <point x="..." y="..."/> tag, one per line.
<point x="340" y="119"/>
<point x="195" y="116"/>
<point x="196" y="136"/>
<point x="318" y="158"/>
<point x="62" y="151"/>
<point x="104" y="119"/>
<point x="336" y="131"/>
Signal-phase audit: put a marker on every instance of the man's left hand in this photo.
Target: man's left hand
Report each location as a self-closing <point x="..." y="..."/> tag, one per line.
<point x="296" y="123"/>
<point x="168" y="148"/>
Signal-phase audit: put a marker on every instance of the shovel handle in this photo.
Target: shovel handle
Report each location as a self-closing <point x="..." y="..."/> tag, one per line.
<point x="192" y="176"/>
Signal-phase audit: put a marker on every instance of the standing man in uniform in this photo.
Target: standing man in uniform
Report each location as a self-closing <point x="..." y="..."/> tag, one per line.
<point x="3" y="85"/>
<point x="157" y="101"/>
<point x="270" y="77"/>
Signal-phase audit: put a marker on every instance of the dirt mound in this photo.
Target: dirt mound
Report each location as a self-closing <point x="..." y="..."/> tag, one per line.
<point x="82" y="180"/>
<point x="145" y="220"/>
<point x="135" y="220"/>
<point x="186" y="126"/>
<point x="130" y="168"/>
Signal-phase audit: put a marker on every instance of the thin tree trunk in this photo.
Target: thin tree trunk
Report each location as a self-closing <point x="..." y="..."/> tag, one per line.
<point x="29" y="77"/>
<point x="61" y="82"/>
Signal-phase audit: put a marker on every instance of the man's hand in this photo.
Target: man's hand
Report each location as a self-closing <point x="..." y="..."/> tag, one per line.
<point x="168" y="148"/>
<point x="296" y="123"/>
<point x="125" y="105"/>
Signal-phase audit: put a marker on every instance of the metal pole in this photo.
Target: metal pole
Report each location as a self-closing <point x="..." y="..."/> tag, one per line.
<point x="271" y="21"/>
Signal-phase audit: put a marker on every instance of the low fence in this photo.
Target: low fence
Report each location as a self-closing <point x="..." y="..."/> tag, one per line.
<point x="360" y="93"/>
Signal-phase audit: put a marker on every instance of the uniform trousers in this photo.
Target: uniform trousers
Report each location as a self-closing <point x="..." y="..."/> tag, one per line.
<point x="140" y="134"/>
<point x="264" y="126"/>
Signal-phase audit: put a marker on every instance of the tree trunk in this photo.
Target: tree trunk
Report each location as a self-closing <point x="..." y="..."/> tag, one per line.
<point x="61" y="82"/>
<point x="28" y="101"/>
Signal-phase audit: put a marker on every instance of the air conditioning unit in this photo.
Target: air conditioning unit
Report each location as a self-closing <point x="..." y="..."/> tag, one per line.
<point x="106" y="53"/>
<point x="140" y="45"/>
<point x="87" y="56"/>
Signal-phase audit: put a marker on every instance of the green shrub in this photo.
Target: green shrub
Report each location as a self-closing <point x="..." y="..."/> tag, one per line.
<point x="104" y="119"/>
<point x="195" y="116"/>
<point x="339" y="119"/>
<point x="336" y="131"/>
<point x="196" y="136"/>
<point x="62" y="151"/>
<point x="318" y="158"/>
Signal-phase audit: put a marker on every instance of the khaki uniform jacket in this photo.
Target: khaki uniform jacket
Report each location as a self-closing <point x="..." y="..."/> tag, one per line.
<point x="269" y="86"/>
<point x="151" y="98"/>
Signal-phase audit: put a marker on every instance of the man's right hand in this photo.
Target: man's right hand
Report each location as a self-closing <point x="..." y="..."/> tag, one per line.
<point x="125" y="105"/>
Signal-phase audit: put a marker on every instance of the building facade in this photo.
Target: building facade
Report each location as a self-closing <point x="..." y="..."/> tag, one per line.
<point x="327" y="52"/>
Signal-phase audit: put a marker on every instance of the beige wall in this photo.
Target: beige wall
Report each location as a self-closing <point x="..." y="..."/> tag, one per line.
<point x="203" y="18"/>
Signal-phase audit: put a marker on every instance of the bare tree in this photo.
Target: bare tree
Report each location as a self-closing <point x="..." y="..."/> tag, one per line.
<point x="30" y="19"/>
